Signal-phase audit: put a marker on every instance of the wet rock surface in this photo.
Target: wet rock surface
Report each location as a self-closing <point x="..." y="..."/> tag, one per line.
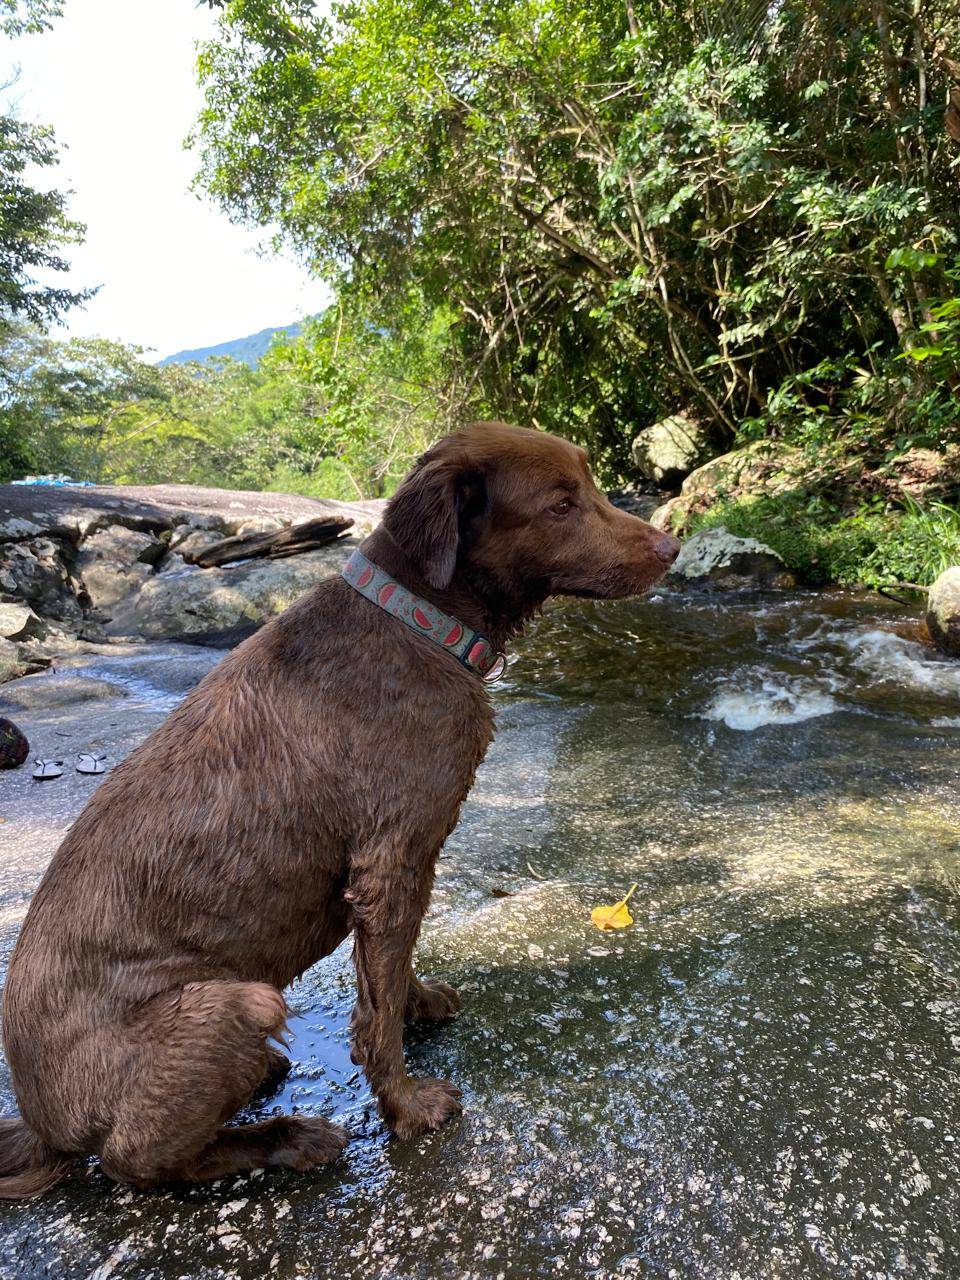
<point x="758" y="1079"/>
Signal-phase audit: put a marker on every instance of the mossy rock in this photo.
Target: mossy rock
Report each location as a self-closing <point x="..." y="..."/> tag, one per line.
<point x="669" y="450"/>
<point x="943" y="612"/>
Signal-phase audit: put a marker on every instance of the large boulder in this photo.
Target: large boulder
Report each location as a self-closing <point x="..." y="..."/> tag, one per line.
<point x="81" y="557"/>
<point x="718" y="559"/>
<point x="669" y="514"/>
<point x="943" y="612"/>
<point x="184" y="600"/>
<point x="27" y="511"/>
<point x="19" y="660"/>
<point x="115" y="562"/>
<point x="764" y="466"/>
<point x="669" y="450"/>
<point x="923" y="474"/>
<point x="36" y="572"/>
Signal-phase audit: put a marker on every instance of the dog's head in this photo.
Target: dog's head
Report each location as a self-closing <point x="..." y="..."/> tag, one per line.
<point x="520" y="509"/>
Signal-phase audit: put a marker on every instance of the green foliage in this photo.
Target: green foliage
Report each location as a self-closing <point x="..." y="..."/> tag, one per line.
<point x="813" y="540"/>
<point x="26" y="17"/>
<point x="366" y="397"/>
<point x="941" y="346"/>
<point x="34" y="227"/>
<point x="920" y="544"/>
<point x="339" y="411"/>
<point x="64" y="405"/>
<point x="738" y="208"/>
<point x="822" y="545"/>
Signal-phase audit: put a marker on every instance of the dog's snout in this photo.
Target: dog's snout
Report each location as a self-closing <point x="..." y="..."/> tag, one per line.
<point x="666" y="548"/>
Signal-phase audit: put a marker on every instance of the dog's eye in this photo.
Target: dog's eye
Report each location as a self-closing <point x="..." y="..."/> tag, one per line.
<point x="561" y="508"/>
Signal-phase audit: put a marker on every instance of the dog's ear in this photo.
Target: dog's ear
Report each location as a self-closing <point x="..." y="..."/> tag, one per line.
<point x="424" y="515"/>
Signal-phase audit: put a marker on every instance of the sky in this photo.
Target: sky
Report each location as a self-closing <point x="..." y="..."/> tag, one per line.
<point x="115" y="78"/>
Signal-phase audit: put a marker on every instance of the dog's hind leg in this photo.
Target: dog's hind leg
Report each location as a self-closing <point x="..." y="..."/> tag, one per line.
<point x="385" y="926"/>
<point x="278" y="1066"/>
<point x="197" y="1053"/>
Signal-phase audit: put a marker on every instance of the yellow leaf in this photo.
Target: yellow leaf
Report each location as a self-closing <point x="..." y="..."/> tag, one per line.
<point x="616" y="917"/>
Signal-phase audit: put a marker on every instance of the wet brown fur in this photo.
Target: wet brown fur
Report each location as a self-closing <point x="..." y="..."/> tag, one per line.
<point x="302" y="790"/>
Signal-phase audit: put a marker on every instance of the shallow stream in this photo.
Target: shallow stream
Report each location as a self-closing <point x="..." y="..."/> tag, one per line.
<point x="758" y="1079"/>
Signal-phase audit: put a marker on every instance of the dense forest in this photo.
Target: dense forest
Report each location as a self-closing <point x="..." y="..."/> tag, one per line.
<point x="580" y="216"/>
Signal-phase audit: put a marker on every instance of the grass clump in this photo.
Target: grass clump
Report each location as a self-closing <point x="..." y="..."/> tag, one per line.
<point x="823" y="545"/>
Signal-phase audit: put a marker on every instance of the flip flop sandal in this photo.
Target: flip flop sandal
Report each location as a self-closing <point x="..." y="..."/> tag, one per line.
<point x="45" y="769"/>
<point x="91" y="762"/>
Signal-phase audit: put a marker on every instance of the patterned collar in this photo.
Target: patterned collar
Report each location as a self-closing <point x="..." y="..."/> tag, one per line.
<point x="469" y="647"/>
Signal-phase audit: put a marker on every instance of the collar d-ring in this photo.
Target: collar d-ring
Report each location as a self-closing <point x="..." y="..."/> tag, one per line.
<point x="496" y="671"/>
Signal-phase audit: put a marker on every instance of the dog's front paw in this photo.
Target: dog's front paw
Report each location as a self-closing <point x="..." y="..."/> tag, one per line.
<point x="305" y="1142"/>
<point x="421" y="1105"/>
<point x="431" y="1000"/>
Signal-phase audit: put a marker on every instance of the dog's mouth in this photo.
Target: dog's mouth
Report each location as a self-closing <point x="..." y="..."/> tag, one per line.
<point x="616" y="591"/>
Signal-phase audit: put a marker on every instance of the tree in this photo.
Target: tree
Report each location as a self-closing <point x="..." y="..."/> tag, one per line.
<point x="626" y="208"/>
<point x="65" y="406"/>
<point x="338" y="411"/>
<point x="34" y="227"/>
<point x="364" y="397"/>
<point x="26" y="17"/>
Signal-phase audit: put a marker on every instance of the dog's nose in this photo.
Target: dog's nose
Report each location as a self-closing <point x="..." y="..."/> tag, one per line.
<point x="666" y="548"/>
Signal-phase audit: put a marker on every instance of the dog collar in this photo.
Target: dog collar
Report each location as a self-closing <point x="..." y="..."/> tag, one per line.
<point x="469" y="647"/>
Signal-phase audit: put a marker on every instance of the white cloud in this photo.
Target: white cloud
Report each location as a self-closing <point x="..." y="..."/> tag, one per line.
<point x="116" y="80"/>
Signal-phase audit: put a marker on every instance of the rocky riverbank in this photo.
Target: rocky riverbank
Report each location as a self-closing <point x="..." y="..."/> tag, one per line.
<point x="91" y="564"/>
<point x="854" y="519"/>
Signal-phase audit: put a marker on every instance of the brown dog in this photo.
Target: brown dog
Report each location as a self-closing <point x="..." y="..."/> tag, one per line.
<point x="302" y="790"/>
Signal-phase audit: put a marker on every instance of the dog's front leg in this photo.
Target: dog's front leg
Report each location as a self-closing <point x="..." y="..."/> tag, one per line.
<point x="387" y="913"/>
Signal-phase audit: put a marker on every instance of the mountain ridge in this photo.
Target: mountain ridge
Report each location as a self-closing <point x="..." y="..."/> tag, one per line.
<point x="250" y="349"/>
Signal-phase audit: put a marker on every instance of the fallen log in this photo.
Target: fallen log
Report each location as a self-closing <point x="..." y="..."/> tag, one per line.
<point x="280" y="543"/>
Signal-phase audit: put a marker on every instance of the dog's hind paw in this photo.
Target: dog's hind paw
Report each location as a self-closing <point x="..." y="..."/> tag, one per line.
<point x="420" y="1106"/>
<point x="431" y="1000"/>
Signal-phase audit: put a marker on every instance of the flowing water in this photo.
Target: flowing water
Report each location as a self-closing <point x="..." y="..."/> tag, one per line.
<point x="757" y="1079"/>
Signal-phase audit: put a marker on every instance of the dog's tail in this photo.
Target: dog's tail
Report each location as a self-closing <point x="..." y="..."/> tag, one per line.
<point x="28" y="1166"/>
